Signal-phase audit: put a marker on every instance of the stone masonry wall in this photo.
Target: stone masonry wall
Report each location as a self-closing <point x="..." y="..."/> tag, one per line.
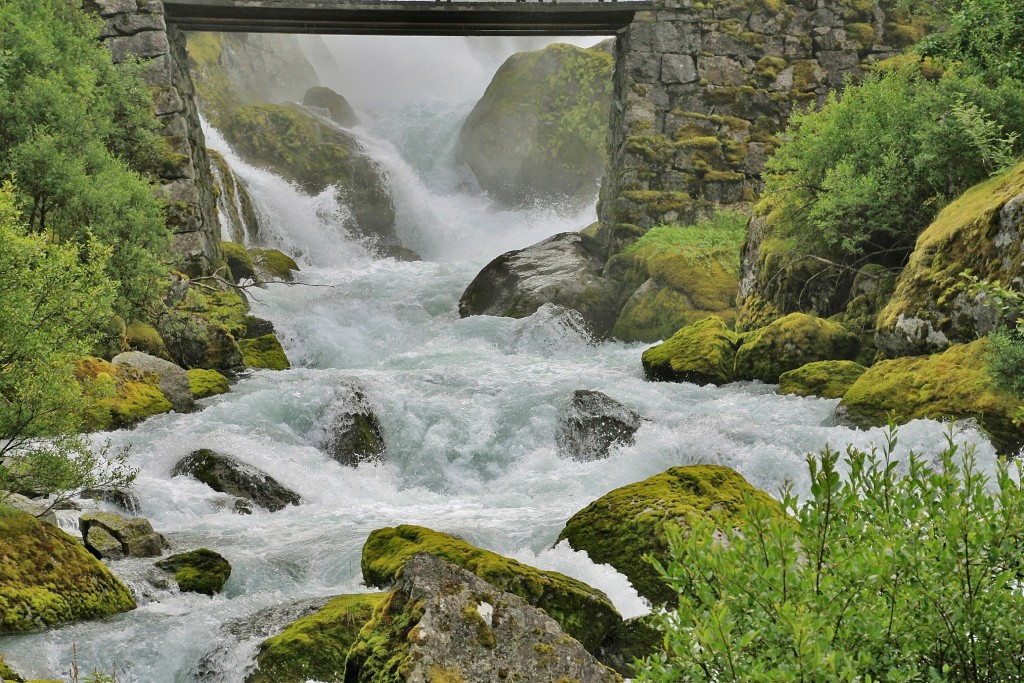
<point x="703" y="89"/>
<point x="136" y="28"/>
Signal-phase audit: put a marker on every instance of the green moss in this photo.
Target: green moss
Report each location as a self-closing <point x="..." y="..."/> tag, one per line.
<point x="862" y="34"/>
<point x="791" y="342"/>
<point x="264" y="352"/>
<point x="141" y="336"/>
<point x="127" y="396"/>
<point x="702" y="353"/>
<point x="583" y="612"/>
<point x="47" y="578"/>
<point x="954" y="384"/>
<point x="904" y="31"/>
<point x="380" y="653"/>
<point x="198" y="571"/>
<point x="827" y="378"/>
<point x="275" y="263"/>
<point x="205" y="383"/>
<point x="7" y="674"/>
<point x="656" y="149"/>
<point x="769" y="67"/>
<point x="627" y="524"/>
<point x="239" y="262"/>
<point x="205" y="47"/>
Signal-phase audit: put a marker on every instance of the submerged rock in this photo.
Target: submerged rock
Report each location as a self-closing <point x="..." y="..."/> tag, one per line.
<point x="627" y="524"/>
<point x="702" y="353"/>
<point x="112" y="536"/>
<point x="566" y="269"/>
<point x="173" y="379"/>
<point x="198" y="571"/>
<point x="583" y="612"/>
<point x="315" y="646"/>
<point x="442" y="623"/>
<point x="229" y="475"/>
<point x="593" y="424"/>
<point x="826" y="378"/>
<point x="352" y="432"/>
<point x="47" y="578"/>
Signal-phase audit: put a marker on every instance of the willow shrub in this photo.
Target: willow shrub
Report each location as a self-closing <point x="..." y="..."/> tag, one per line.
<point x="877" y="576"/>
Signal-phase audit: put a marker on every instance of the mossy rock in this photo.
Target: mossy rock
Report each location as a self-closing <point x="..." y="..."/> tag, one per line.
<point x="118" y="396"/>
<point x="141" y="336"/>
<point x="539" y="131"/>
<point x="7" y="674"/>
<point x="792" y="342"/>
<point x="636" y="638"/>
<point x="206" y="383"/>
<point x="47" y="578"/>
<point x="315" y="647"/>
<point x="340" y="111"/>
<point x="955" y="384"/>
<point x="826" y="378"/>
<point x="623" y="526"/>
<point x="202" y="328"/>
<point x="198" y="571"/>
<point x="239" y="262"/>
<point x="583" y="612"/>
<point x="274" y="263"/>
<point x="264" y="353"/>
<point x="702" y="353"/>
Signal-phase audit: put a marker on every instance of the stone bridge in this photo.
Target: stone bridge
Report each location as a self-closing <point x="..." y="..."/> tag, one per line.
<point x="702" y="88"/>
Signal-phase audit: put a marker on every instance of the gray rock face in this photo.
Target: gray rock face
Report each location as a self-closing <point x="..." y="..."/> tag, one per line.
<point x="444" y="623"/>
<point x="112" y="536"/>
<point x="593" y="424"/>
<point x="173" y="379"/>
<point x="340" y="111"/>
<point x="351" y="432"/>
<point x="32" y="507"/>
<point x="230" y="475"/>
<point x="566" y="269"/>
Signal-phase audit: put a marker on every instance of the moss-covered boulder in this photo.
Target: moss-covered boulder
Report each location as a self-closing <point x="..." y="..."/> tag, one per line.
<point x="272" y="264"/>
<point x="239" y="262"/>
<point x="142" y="336"/>
<point x="826" y="378"/>
<point x="623" y="526"/>
<point x="112" y="536"/>
<point x="351" y="432"/>
<point x="539" y="132"/>
<point x="206" y="383"/>
<point x="315" y="647"/>
<point x="701" y="353"/>
<point x="264" y="353"/>
<point x="442" y="623"/>
<point x="201" y="329"/>
<point x="47" y="578"/>
<point x="336" y="106"/>
<point x="583" y="612"/>
<point x="230" y="475"/>
<point x="954" y="384"/>
<point x="633" y="639"/>
<point x="932" y="307"/>
<point x="118" y="396"/>
<point x="791" y="342"/>
<point x="7" y="674"/>
<point x="172" y="379"/>
<point x="198" y="571"/>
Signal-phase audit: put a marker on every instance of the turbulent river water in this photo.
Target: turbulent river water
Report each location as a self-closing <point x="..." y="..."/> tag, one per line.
<point x="468" y="408"/>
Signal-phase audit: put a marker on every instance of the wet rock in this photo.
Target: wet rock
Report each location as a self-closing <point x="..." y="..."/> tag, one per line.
<point x="593" y="424"/>
<point x="230" y="475"/>
<point x="627" y="524"/>
<point x="198" y="571"/>
<point x="352" y="432"/>
<point x="264" y="353"/>
<point x="337" y="107"/>
<point x="827" y="378"/>
<point x="112" y="536"/>
<point x="443" y="623"/>
<point x="126" y="500"/>
<point x="272" y="264"/>
<point x="239" y="262"/>
<point x="702" y="353"/>
<point x="566" y="269"/>
<point x="583" y="612"/>
<point x="173" y="379"/>
<point x="37" y="509"/>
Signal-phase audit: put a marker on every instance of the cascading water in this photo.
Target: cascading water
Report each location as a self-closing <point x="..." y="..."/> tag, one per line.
<point x="468" y="408"/>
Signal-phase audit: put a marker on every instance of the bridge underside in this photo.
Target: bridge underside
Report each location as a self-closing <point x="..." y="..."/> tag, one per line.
<point x="413" y="17"/>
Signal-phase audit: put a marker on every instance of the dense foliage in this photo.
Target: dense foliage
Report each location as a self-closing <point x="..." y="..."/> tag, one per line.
<point x="78" y="135"/>
<point x="890" y="572"/>
<point x="986" y="36"/>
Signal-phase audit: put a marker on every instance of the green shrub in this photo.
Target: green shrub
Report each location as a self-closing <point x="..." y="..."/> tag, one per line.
<point x="986" y="36"/>
<point x="879" y="575"/>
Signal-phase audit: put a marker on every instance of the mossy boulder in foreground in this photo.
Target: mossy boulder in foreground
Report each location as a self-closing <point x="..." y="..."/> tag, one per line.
<point x="198" y="571"/>
<point x="622" y="526"/>
<point x="702" y="353"/>
<point x="47" y="578"/>
<point x="826" y="378"/>
<point x="315" y="647"/>
<point x="954" y="384"/>
<point x="791" y="342"/>
<point x="583" y="612"/>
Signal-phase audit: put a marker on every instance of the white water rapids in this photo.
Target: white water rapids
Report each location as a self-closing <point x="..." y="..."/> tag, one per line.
<point x="468" y="409"/>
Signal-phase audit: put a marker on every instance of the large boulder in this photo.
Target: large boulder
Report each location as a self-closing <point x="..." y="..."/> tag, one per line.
<point x="566" y="269"/>
<point x="625" y="526"/>
<point x="264" y="353"/>
<point x="112" y="536"/>
<point x="230" y="475"/>
<point x="198" y="571"/>
<point x="701" y="353"/>
<point x="201" y="328"/>
<point x="127" y="395"/>
<point x="442" y="623"/>
<point x="932" y="307"/>
<point x="826" y="378"/>
<point x="791" y="342"/>
<point x="336" y="106"/>
<point x="539" y="132"/>
<point x="352" y="432"/>
<point x="583" y="612"/>
<point x="953" y="384"/>
<point x="315" y="646"/>
<point x="593" y="423"/>
<point x="173" y="379"/>
<point x="47" y="578"/>
<point x="205" y="383"/>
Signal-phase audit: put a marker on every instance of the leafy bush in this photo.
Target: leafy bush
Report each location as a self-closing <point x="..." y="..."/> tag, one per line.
<point x="987" y="36"/>
<point x="877" y="576"/>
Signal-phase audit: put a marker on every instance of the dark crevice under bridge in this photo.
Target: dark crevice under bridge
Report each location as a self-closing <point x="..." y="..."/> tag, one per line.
<point x="412" y="17"/>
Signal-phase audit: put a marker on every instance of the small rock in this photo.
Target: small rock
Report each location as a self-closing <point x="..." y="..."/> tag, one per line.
<point x="352" y="432"/>
<point x="112" y="536"/>
<point x="199" y="571"/>
<point x="32" y="507"/>
<point x="593" y="424"/>
<point x="229" y="475"/>
<point x="173" y="379"/>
